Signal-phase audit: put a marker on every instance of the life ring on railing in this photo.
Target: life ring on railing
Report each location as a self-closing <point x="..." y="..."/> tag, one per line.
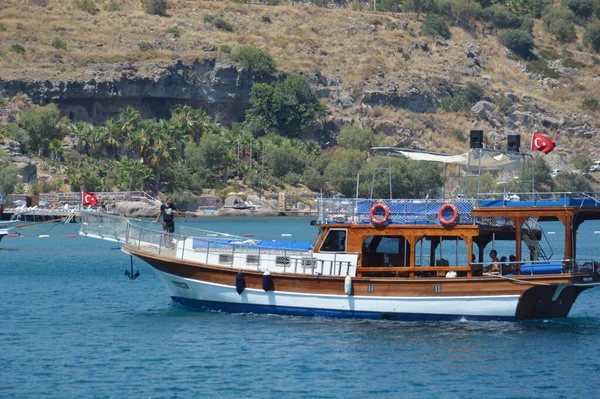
<point x="386" y="213"/>
<point x="453" y="219"/>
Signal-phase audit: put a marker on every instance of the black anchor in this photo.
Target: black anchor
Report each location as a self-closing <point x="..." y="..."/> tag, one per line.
<point x="129" y="274"/>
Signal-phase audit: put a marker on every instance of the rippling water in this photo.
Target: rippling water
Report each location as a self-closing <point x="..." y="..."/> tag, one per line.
<point x="74" y="326"/>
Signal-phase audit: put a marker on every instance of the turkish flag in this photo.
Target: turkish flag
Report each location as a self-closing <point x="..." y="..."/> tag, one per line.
<point x="539" y="142"/>
<point x="89" y="199"/>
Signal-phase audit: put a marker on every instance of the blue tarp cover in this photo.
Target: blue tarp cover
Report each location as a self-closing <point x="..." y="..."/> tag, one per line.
<point x="287" y="245"/>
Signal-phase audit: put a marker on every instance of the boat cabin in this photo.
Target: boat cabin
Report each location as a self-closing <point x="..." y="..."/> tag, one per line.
<point x="454" y="236"/>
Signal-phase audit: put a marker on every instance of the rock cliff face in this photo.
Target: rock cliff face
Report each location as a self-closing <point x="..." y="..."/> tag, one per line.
<point x="221" y="87"/>
<point x="215" y="85"/>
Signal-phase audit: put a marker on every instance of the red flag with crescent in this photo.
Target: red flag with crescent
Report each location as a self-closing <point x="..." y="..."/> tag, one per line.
<point x="89" y="199"/>
<point x="539" y="142"/>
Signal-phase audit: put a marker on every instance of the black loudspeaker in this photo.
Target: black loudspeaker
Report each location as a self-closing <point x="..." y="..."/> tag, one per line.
<point x="513" y="143"/>
<point x="476" y="138"/>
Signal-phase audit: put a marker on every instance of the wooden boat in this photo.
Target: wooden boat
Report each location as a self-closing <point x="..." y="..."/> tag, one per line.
<point x="385" y="259"/>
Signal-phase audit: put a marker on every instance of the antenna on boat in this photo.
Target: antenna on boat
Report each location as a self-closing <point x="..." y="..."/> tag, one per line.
<point x="389" y="169"/>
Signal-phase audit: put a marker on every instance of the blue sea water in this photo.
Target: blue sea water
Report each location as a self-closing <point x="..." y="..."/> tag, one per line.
<point x="72" y="325"/>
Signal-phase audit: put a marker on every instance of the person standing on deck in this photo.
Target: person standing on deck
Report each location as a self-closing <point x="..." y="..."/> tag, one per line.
<point x="168" y="211"/>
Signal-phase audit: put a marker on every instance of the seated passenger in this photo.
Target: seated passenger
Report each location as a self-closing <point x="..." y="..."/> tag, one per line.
<point x="512" y="264"/>
<point x="495" y="265"/>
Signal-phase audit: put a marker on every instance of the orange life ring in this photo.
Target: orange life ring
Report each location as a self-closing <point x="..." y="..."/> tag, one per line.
<point x="453" y="219"/>
<point x="386" y="214"/>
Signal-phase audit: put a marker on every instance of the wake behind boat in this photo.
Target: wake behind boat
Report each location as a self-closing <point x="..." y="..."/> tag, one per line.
<point x="388" y="258"/>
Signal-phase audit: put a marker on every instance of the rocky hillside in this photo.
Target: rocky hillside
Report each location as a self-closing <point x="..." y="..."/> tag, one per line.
<point x="372" y="67"/>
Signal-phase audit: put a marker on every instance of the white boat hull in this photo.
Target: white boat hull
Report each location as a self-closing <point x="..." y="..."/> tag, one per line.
<point x="204" y="295"/>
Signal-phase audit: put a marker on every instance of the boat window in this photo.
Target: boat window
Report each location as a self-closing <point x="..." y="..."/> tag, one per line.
<point x="335" y="241"/>
<point x="441" y="251"/>
<point x="386" y="251"/>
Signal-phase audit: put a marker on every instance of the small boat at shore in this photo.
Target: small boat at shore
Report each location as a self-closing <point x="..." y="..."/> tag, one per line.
<point x="404" y="259"/>
<point x="7" y="227"/>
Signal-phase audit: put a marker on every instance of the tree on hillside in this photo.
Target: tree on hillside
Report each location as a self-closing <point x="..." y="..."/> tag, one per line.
<point x="560" y="23"/>
<point x="418" y="6"/>
<point x="9" y="177"/>
<point x="592" y="36"/>
<point x="291" y="105"/>
<point x="296" y="105"/>
<point x="409" y="179"/>
<point x="43" y="125"/>
<point x="571" y="182"/>
<point x="583" y="9"/>
<point x="352" y="136"/>
<point x="581" y="162"/>
<point x="341" y="171"/>
<point x="258" y="61"/>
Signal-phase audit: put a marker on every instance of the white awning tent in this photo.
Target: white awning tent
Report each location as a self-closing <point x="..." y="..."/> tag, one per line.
<point x="490" y="160"/>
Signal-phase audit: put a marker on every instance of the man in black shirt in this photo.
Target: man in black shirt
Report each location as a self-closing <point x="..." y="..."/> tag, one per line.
<point x="168" y="211"/>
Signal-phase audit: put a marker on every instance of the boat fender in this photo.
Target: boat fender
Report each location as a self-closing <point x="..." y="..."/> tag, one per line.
<point x="348" y="285"/>
<point x="451" y="274"/>
<point x="386" y="213"/>
<point x="443" y="209"/>
<point x="240" y="283"/>
<point x="267" y="281"/>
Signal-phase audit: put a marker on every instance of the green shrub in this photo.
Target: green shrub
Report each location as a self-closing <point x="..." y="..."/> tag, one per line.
<point x="595" y="60"/>
<point x="174" y="31"/>
<point x="225" y="48"/>
<point x="273" y="2"/>
<point x="571" y="63"/>
<point x="518" y="41"/>
<point x="208" y="19"/>
<point x="527" y="25"/>
<point x="388" y="5"/>
<point x="559" y="22"/>
<point x="88" y="6"/>
<point x="583" y="9"/>
<point x="18" y="48"/>
<point x="145" y="46"/>
<point x="434" y="25"/>
<point x="389" y="25"/>
<point x="155" y="7"/>
<point x="223" y="25"/>
<point x="291" y="178"/>
<point x="540" y="67"/>
<point x="501" y="18"/>
<point x="59" y="43"/>
<point x="20" y="26"/>
<point x="462" y="97"/>
<point x="114" y="5"/>
<point x="255" y="59"/>
<point x="2" y="27"/>
<point x="459" y="135"/>
<point x="591" y="37"/>
<point x="590" y="103"/>
<point x="549" y="53"/>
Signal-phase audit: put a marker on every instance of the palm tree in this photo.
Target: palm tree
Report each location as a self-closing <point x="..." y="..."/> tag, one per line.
<point x="97" y="141"/>
<point x="55" y="147"/>
<point x="133" y="172"/>
<point x="82" y="131"/>
<point x="113" y="136"/>
<point x="195" y="122"/>
<point x="129" y="118"/>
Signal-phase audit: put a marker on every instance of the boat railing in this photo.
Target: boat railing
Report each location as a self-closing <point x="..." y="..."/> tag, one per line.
<point x="235" y="252"/>
<point x="550" y="266"/>
<point x="402" y="211"/>
<point x="542" y="198"/>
